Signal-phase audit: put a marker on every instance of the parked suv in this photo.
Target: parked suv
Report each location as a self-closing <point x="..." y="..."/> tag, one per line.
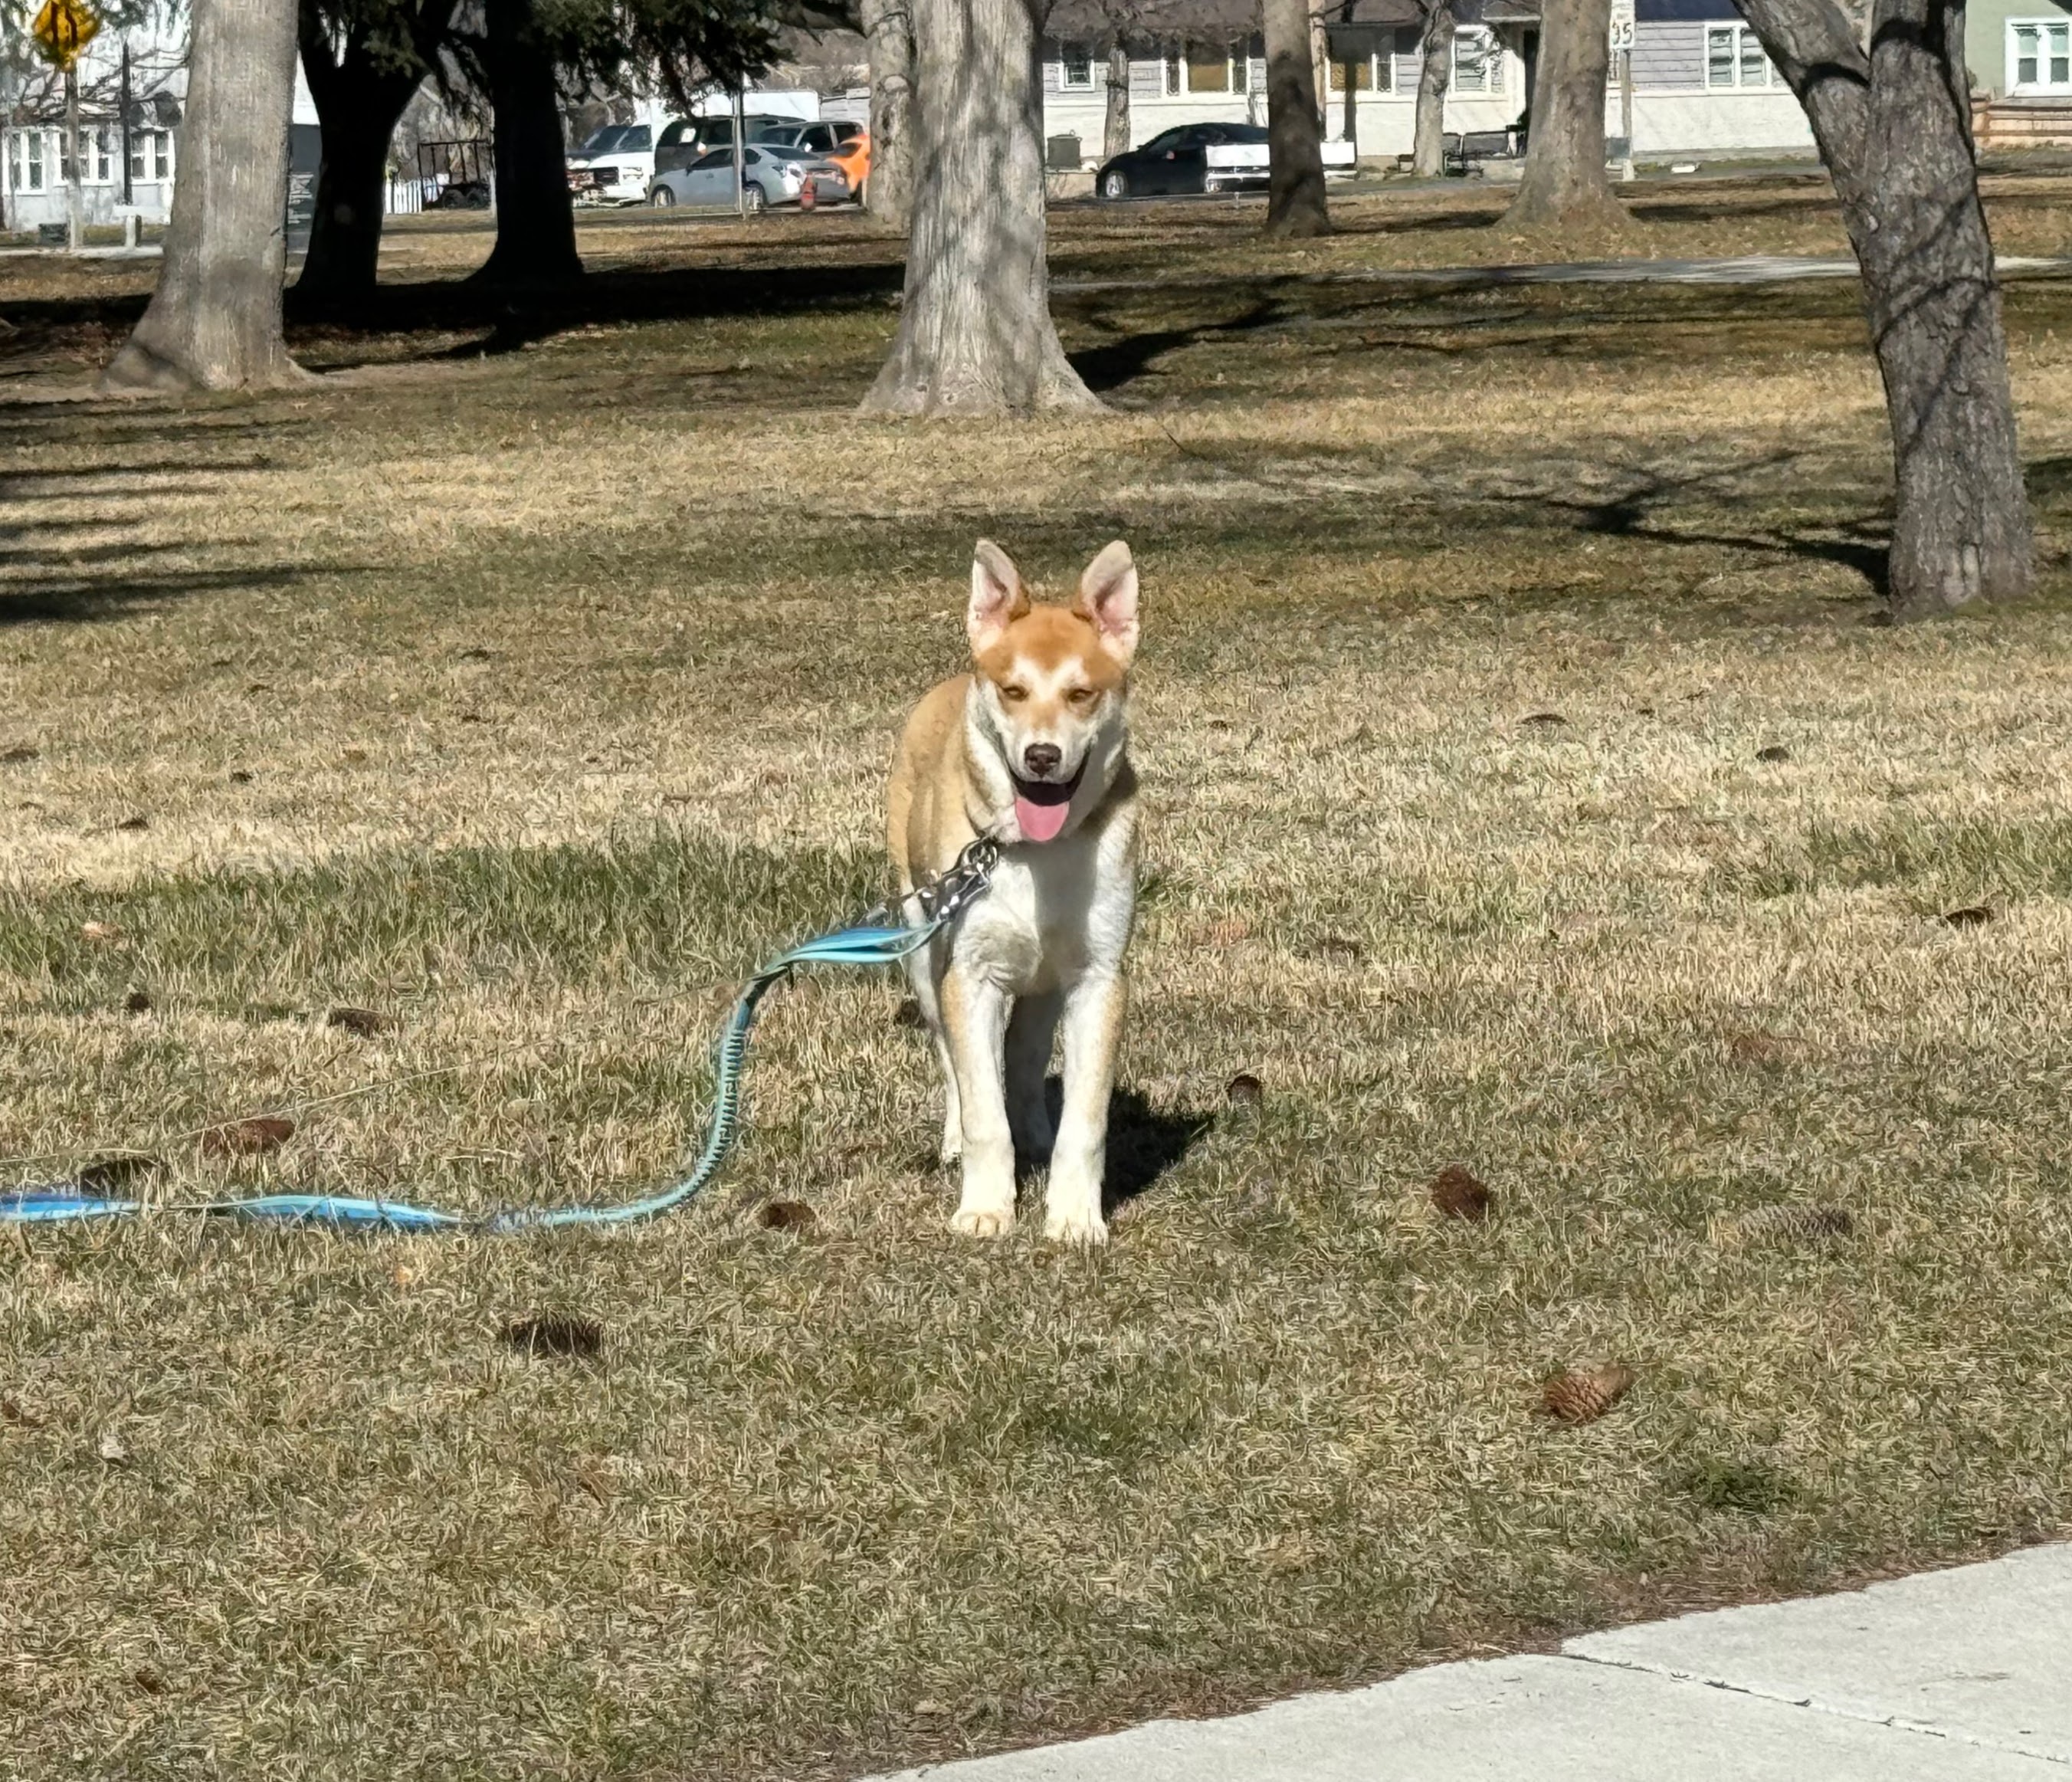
<point x="819" y="138"/>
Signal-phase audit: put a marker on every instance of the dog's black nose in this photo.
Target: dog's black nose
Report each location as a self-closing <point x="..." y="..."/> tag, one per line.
<point x="1040" y="758"/>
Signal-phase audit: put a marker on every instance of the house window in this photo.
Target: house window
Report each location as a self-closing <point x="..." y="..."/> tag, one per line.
<point x="1734" y="58"/>
<point x="162" y="154"/>
<point x="2039" y="55"/>
<point x="1369" y="74"/>
<point x="1204" y="71"/>
<point x="1076" y="68"/>
<point x="35" y="160"/>
<point x="104" y="156"/>
<point x="1477" y="60"/>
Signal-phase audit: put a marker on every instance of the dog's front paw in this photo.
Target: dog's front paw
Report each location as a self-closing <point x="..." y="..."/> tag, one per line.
<point x="1081" y="1227"/>
<point x="982" y="1221"/>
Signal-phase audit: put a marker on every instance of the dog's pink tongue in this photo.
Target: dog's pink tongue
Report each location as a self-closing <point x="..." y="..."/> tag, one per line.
<point x="1040" y="822"/>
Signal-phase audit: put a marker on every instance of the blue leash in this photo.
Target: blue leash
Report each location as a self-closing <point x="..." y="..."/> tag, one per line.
<point x="878" y="939"/>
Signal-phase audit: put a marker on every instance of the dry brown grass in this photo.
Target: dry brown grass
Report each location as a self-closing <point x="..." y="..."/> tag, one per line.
<point x="564" y="679"/>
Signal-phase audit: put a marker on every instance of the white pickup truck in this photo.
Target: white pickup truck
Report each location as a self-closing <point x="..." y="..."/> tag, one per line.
<point x="1190" y="157"/>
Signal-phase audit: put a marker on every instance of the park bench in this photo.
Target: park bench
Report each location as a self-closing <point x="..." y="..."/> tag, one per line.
<point x="1466" y="152"/>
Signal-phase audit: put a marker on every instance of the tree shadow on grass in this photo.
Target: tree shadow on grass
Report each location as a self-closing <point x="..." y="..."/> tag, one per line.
<point x="1128" y="356"/>
<point x="110" y="594"/>
<point x="505" y="320"/>
<point x="1650" y="504"/>
<point x="1804" y="206"/>
<point x="1862" y="543"/>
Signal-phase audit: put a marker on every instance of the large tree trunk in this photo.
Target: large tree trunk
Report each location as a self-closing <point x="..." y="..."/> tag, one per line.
<point x="1435" y="74"/>
<point x="357" y="104"/>
<point x="1115" y="135"/>
<point x="1565" y="183"/>
<point x="1295" y="188"/>
<point x="975" y="334"/>
<point x="888" y="26"/>
<point x="1894" y="129"/>
<point x="536" y="223"/>
<point x="214" y="321"/>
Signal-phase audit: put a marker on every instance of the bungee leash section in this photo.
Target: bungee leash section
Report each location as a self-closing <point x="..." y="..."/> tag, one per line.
<point x="879" y="937"/>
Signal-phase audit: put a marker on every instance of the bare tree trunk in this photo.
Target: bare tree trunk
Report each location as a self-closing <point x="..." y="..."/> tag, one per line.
<point x="975" y="334"/>
<point x="1894" y="129"/>
<point x="1115" y="136"/>
<point x="1565" y="183"/>
<point x="214" y="321"/>
<point x="1295" y="203"/>
<point x="75" y="157"/>
<point x="358" y="103"/>
<point x="345" y="233"/>
<point x="1320" y="60"/>
<point x="536" y="222"/>
<point x="1435" y="74"/>
<point x="888" y="26"/>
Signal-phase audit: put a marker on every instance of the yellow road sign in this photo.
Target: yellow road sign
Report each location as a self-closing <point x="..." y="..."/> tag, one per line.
<point x="62" y="29"/>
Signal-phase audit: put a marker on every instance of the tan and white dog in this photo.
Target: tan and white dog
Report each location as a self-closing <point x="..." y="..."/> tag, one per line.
<point x="1032" y="749"/>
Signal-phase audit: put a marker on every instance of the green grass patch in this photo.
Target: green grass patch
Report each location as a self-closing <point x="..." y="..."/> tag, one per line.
<point x="1945" y="864"/>
<point x="669" y="908"/>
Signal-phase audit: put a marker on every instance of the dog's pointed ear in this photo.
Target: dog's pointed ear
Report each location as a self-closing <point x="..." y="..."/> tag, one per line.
<point x="998" y="597"/>
<point x="1108" y="596"/>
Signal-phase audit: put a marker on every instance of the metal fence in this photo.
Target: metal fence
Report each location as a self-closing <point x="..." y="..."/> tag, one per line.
<point x="455" y="175"/>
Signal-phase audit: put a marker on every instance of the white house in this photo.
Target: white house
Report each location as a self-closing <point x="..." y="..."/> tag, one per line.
<point x="35" y="160"/>
<point x="1197" y="61"/>
<point x="1701" y="84"/>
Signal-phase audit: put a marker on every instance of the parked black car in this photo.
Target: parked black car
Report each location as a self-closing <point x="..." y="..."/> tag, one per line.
<point x="1177" y="160"/>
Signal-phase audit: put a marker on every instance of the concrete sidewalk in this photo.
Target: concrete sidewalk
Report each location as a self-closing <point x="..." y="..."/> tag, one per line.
<point x="1960" y="1676"/>
<point x="1748" y="269"/>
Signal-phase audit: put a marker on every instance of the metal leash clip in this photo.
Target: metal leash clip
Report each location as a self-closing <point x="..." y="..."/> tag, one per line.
<point x="942" y="897"/>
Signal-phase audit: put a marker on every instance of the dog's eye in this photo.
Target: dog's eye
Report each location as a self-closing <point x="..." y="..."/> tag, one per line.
<point x="1014" y="695"/>
<point x="1082" y="698"/>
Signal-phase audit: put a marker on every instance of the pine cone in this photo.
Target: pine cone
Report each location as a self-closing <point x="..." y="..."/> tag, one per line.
<point x="1583" y="1394"/>
<point x="1458" y="1194"/>
<point x="1786" y="1225"/>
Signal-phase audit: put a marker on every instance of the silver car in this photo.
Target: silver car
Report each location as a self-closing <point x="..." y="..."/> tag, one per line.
<point x="769" y="175"/>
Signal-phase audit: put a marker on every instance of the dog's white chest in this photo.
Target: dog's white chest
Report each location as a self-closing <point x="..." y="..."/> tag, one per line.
<point x="1055" y="912"/>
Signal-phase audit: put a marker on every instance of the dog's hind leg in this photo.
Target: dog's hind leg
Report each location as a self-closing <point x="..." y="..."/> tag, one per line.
<point x="953" y="1118"/>
<point x="927" y="996"/>
<point x="1032" y="1031"/>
